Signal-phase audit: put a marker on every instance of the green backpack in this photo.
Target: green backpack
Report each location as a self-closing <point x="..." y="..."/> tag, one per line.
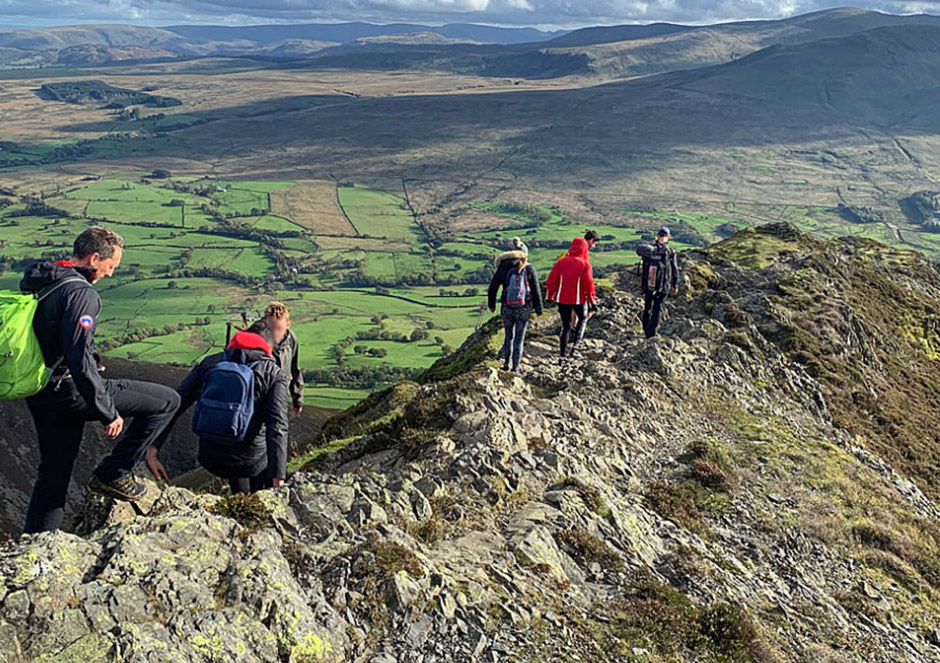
<point x="23" y="369"/>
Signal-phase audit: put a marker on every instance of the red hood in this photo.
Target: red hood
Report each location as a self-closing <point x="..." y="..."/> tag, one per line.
<point x="248" y="341"/>
<point x="578" y="248"/>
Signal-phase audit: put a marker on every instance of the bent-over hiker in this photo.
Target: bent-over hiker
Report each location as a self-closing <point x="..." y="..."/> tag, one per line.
<point x="660" y="277"/>
<point x="65" y="323"/>
<point x="241" y="397"/>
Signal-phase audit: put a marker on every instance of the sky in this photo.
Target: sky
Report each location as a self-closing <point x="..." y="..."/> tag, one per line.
<point x="539" y="13"/>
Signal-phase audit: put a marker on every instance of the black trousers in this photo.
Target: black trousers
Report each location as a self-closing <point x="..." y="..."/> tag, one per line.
<point x="60" y="418"/>
<point x="566" y="311"/>
<point x="248" y="485"/>
<point x="651" y="310"/>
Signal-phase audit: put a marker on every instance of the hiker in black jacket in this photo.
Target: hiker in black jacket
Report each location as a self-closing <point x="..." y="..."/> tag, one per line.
<point x="660" y="278"/>
<point x="259" y="460"/>
<point x="520" y="296"/>
<point x="286" y="350"/>
<point x="64" y="323"/>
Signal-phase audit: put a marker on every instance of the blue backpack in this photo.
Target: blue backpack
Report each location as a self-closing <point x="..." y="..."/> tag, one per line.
<point x="226" y="403"/>
<point x="516" y="288"/>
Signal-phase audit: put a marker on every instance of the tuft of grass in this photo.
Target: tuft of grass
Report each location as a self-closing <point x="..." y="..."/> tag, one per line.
<point x="711" y="466"/>
<point x="445" y="515"/>
<point x="594" y="500"/>
<point x="391" y="558"/>
<point x="676" y="503"/>
<point x="428" y="531"/>
<point x="590" y="549"/>
<point x="710" y="475"/>
<point x="247" y="510"/>
<point x="673" y="626"/>
<point x="907" y="548"/>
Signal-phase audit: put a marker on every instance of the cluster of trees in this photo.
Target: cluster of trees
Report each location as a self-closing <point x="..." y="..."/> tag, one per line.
<point x="215" y="273"/>
<point x="199" y="189"/>
<point x="371" y="352"/>
<point x="37" y="207"/>
<point x="922" y="207"/>
<point x="244" y="232"/>
<point x="82" y="148"/>
<point x="381" y="335"/>
<point x="469" y="292"/>
<point x="96" y="92"/>
<point x="357" y="277"/>
<point x="365" y="377"/>
<point x="128" y="114"/>
<point x="388" y="335"/>
<point x="72" y="152"/>
<point x="339" y="350"/>
<point x="859" y="214"/>
<point x="68" y="152"/>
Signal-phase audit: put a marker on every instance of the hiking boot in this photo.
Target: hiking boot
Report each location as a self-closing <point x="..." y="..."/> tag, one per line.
<point x="126" y="488"/>
<point x="574" y="353"/>
<point x="505" y="367"/>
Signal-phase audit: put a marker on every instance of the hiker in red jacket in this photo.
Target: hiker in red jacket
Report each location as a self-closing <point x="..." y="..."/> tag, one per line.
<point x="592" y="238"/>
<point x="571" y="285"/>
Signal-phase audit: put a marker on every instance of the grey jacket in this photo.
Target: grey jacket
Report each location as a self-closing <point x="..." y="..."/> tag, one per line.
<point x="285" y="354"/>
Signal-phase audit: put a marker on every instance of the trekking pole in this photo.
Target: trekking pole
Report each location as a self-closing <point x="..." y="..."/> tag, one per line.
<point x="228" y="332"/>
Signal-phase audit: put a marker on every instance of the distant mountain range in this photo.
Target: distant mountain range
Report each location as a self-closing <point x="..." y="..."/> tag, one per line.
<point x="98" y="44"/>
<point x="614" y="51"/>
<point x="621" y="51"/>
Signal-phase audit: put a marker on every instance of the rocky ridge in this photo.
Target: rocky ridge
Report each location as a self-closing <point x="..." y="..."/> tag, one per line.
<point x="705" y="496"/>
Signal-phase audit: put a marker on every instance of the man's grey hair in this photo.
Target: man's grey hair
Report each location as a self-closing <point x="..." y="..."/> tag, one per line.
<point x="97" y="240"/>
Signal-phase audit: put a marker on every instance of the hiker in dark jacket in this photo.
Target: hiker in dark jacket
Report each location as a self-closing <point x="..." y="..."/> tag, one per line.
<point x="519" y="298"/>
<point x="660" y="277"/>
<point x="285" y="351"/>
<point x="64" y="323"/>
<point x="259" y="460"/>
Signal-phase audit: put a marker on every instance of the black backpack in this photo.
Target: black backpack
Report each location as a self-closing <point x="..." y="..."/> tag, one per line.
<point x="656" y="268"/>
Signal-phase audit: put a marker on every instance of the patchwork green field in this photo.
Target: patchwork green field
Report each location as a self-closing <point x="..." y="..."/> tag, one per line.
<point x="200" y="252"/>
<point x="368" y="308"/>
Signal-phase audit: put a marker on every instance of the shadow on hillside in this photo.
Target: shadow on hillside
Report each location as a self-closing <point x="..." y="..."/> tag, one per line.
<point x="606" y="130"/>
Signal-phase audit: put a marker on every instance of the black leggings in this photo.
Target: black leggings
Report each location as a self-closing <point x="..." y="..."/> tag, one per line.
<point x="565" y="311"/>
<point x="651" y="310"/>
<point x="248" y="485"/>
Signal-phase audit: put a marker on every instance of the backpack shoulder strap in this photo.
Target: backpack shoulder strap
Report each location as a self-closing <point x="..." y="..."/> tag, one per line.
<point x="49" y="289"/>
